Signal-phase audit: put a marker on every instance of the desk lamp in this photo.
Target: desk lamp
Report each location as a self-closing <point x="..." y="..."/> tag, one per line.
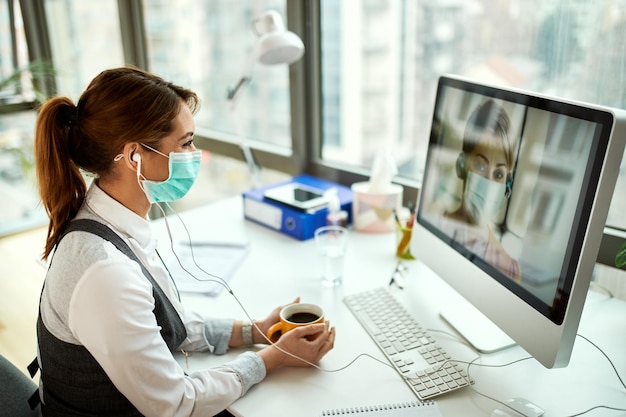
<point x="275" y="45"/>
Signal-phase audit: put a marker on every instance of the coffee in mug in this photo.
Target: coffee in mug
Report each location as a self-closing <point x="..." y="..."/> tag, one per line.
<point x="295" y="315"/>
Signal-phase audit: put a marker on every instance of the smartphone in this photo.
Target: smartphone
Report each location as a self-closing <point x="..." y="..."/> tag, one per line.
<point x="296" y="195"/>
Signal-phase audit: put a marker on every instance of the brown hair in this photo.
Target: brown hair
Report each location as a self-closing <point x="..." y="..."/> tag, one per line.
<point x="489" y="116"/>
<point x="119" y="106"/>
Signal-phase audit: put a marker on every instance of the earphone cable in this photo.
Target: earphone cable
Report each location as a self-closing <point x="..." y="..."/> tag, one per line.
<point x="221" y="281"/>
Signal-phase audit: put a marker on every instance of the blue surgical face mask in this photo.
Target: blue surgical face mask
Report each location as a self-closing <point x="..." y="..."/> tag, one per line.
<point x="184" y="168"/>
<point x="482" y="198"/>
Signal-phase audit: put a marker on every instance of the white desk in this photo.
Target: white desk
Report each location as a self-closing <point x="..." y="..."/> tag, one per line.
<point x="279" y="268"/>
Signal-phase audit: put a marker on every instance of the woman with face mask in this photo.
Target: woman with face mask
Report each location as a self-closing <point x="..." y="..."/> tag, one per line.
<point x="485" y="165"/>
<point x="110" y="316"/>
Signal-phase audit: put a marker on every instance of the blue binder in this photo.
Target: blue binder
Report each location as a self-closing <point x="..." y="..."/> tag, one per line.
<point x="288" y="220"/>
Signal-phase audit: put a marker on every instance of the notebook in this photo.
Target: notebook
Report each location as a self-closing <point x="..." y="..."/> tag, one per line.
<point x="408" y="409"/>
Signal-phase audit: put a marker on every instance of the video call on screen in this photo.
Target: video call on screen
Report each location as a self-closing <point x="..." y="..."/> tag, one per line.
<point x="534" y="224"/>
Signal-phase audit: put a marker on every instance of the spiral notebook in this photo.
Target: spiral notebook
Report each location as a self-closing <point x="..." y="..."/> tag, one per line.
<point x="408" y="409"/>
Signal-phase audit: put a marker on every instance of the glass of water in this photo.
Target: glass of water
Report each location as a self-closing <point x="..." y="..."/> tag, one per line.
<point x="331" y="243"/>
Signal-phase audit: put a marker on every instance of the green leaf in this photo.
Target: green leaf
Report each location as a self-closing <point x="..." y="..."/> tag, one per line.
<point x="620" y="258"/>
<point x="36" y="71"/>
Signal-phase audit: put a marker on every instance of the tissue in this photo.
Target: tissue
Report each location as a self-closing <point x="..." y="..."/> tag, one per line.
<point x="383" y="170"/>
<point x="374" y="201"/>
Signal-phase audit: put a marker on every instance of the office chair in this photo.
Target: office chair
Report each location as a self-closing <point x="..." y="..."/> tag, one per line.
<point x="15" y="390"/>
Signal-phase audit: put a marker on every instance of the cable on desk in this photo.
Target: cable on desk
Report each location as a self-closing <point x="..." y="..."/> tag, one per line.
<point x="607" y="358"/>
<point x="616" y="373"/>
<point x="596" y="408"/>
<point x="601" y="406"/>
<point x="472" y="362"/>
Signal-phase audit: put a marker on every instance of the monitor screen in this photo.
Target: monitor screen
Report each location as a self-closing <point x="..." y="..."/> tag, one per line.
<point x="515" y="193"/>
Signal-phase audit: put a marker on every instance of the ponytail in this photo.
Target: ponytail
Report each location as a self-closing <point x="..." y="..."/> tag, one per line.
<point x="62" y="187"/>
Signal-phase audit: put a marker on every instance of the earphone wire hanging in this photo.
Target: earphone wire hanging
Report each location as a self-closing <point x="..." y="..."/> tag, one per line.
<point x="221" y="281"/>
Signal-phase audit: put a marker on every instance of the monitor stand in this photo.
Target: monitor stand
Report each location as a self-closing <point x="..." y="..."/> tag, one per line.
<point x="477" y="329"/>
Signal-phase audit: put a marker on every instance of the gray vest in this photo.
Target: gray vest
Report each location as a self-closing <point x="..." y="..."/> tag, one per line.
<point x="74" y="384"/>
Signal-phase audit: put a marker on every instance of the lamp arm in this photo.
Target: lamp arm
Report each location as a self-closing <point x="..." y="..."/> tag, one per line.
<point x="232" y="92"/>
<point x="248" y="154"/>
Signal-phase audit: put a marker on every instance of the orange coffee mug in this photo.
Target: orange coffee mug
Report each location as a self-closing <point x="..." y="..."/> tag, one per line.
<point x="295" y="315"/>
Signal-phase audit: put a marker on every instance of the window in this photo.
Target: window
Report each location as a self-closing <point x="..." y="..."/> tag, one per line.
<point x="381" y="59"/>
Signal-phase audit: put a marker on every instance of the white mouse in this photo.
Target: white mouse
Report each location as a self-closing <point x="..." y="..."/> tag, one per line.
<point x="523" y="407"/>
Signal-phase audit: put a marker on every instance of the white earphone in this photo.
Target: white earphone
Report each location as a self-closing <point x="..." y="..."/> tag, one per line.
<point x="137" y="158"/>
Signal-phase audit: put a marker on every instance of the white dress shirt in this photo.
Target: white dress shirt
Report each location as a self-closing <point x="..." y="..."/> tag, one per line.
<point x="95" y="296"/>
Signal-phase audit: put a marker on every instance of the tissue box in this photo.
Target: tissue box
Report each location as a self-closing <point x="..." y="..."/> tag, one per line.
<point x="296" y="223"/>
<point x="373" y="212"/>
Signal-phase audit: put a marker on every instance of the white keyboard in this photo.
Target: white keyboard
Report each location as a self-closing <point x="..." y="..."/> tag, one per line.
<point x="413" y="352"/>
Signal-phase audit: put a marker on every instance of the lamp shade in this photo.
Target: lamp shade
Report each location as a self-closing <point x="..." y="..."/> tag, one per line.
<point x="275" y="44"/>
<point x="280" y="48"/>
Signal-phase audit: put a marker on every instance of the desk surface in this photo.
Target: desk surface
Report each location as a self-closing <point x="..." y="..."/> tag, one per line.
<point x="279" y="268"/>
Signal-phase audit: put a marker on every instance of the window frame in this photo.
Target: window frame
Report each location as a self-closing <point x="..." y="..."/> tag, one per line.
<point x="133" y="32"/>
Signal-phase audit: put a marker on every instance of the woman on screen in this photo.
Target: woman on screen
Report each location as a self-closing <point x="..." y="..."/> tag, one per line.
<point x="110" y="316"/>
<point x="485" y="166"/>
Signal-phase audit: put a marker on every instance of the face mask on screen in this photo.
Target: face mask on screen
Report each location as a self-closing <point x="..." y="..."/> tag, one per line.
<point x="183" y="168"/>
<point x="482" y="198"/>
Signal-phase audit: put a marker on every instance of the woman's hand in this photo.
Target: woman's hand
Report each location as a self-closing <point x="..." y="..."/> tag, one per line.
<point x="266" y="323"/>
<point x="300" y="347"/>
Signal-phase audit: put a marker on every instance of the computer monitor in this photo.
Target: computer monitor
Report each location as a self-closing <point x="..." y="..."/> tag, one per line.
<point x="514" y="199"/>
